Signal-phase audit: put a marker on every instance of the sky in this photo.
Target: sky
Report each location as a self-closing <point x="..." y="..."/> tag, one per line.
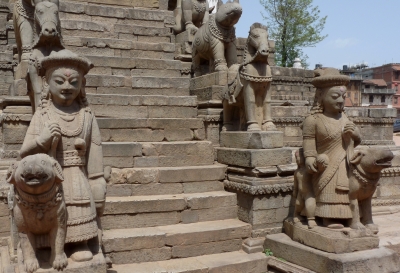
<point x="358" y="31"/>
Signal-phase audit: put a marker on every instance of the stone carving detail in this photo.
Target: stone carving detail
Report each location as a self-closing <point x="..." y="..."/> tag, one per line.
<point x="47" y="29"/>
<point x="331" y="173"/>
<point x="65" y="127"/>
<point x="258" y="190"/>
<point x="190" y="15"/>
<point x="23" y="18"/>
<point x="215" y="40"/>
<point x="251" y="88"/>
<point x="39" y="208"/>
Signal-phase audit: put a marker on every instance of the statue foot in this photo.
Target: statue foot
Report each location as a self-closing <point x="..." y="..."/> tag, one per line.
<point x="311" y="223"/>
<point x="25" y="56"/>
<point x="60" y="262"/>
<point x="268" y="126"/>
<point x="253" y="127"/>
<point x="227" y="127"/>
<point x="372" y="227"/>
<point x="331" y="224"/>
<point x="82" y="253"/>
<point x="31" y="265"/>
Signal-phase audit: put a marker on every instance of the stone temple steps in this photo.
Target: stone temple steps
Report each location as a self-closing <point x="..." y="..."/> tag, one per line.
<point x="126" y="246"/>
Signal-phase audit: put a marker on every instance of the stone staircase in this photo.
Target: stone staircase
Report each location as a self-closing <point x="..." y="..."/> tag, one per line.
<point x="166" y="208"/>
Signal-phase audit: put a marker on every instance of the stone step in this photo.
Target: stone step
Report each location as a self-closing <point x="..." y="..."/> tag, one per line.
<point x="229" y="262"/>
<point x="140" y="91"/>
<point x="152" y="129"/>
<point x="162" y="210"/>
<point x="150" y="244"/>
<point x="141" y="100"/>
<point x="168" y="180"/>
<point x="157" y="154"/>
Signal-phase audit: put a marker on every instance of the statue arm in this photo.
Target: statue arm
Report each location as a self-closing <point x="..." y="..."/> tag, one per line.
<point x="33" y="143"/>
<point x="187" y="7"/>
<point x="309" y="144"/>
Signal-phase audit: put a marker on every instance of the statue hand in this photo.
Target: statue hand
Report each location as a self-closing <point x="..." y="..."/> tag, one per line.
<point x="350" y="130"/>
<point x="50" y="131"/>
<point x="311" y="165"/>
<point x="99" y="188"/>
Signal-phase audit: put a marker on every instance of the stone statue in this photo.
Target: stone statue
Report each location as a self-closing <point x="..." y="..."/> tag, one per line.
<point x="190" y="15"/>
<point x="64" y="114"/>
<point x="48" y="39"/>
<point x="326" y="135"/>
<point x="25" y="32"/>
<point x="39" y="209"/>
<point x="364" y="173"/>
<point x="251" y="88"/>
<point x="215" y="41"/>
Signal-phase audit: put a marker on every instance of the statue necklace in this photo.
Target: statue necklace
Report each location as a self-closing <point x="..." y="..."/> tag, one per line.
<point x="63" y="118"/>
<point x="199" y="6"/>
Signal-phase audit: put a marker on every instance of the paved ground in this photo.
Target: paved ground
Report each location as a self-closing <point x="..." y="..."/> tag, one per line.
<point x="389" y="231"/>
<point x="396" y="139"/>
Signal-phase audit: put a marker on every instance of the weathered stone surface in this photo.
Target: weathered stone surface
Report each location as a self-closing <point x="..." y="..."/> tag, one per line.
<point x="141" y="255"/>
<point x="206" y="248"/>
<point x="252" y="140"/>
<point x="254" y="158"/>
<point x="122" y="149"/>
<point x="192" y="174"/>
<point x="333" y="241"/>
<point x="373" y="260"/>
<point x="140" y="220"/>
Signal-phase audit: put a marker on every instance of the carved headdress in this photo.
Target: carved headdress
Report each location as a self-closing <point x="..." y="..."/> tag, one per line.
<point x="324" y="79"/>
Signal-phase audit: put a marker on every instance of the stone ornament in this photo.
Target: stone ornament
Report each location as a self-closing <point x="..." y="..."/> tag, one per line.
<point x="333" y="182"/>
<point x="215" y="40"/>
<point x="25" y="30"/>
<point x="39" y="209"/>
<point x="47" y="29"/>
<point x="65" y="127"/>
<point x="190" y="15"/>
<point x="250" y="90"/>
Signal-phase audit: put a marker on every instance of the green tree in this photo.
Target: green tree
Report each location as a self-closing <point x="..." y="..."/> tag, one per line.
<point x="293" y="24"/>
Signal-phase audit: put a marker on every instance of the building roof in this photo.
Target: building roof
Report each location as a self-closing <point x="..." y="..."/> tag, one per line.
<point x="396" y="67"/>
<point x="376" y="82"/>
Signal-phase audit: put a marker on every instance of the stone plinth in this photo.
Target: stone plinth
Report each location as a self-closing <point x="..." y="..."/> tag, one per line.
<point x="380" y="260"/>
<point x="252" y="158"/>
<point x="345" y="240"/>
<point x="252" y="140"/>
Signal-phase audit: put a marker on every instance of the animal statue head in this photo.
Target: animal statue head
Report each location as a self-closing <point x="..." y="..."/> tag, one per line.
<point x="258" y="40"/>
<point x="35" y="174"/>
<point x="372" y="160"/>
<point x="228" y="14"/>
<point x="47" y="27"/>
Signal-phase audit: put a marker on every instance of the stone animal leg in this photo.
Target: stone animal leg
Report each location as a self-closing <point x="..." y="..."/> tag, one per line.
<point x="196" y="64"/>
<point x="227" y="116"/>
<point x="366" y="211"/>
<point x="231" y="54"/>
<point x="36" y="86"/>
<point x="355" y="221"/>
<point x="250" y="107"/>
<point x="267" y="124"/>
<point x="58" y="234"/>
<point x="218" y="50"/>
<point x="28" y="251"/>
<point x="179" y="25"/>
<point x="25" y="29"/>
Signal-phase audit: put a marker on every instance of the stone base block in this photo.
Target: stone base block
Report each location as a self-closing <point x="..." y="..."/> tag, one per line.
<point x="221" y="78"/>
<point x="252" y="158"/>
<point x="252" y="140"/>
<point x="380" y="260"/>
<point x="334" y="241"/>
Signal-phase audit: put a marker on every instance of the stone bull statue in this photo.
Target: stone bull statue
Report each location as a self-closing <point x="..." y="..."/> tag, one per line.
<point x="47" y="39"/>
<point x="190" y="15"/>
<point x="250" y="90"/>
<point x="215" y="40"/>
<point x="23" y="19"/>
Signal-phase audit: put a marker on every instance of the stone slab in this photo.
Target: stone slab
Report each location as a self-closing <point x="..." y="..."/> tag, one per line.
<point x="334" y="241"/>
<point x="216" y="78"/>
<point x="252" y="140"/>
<point x="254" y="157"/>
<point x="380" y="260"/>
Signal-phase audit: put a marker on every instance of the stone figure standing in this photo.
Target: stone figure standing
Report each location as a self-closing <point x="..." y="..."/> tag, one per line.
<point x="326" y="137"/>
<point x="65" y="126"/>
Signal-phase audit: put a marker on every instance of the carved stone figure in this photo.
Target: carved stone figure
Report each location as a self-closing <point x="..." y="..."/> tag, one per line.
<point x="251" y="89"/>
<point x="23" y="18"/>
<point x="64" y="113"/>
<point x="48" y="39"/>
<point x="364" y="173"/>
<point x="39" y="209"/>
<point x="327" y="131"/>
<point x="190" y="15"/>
<point x="215" y="41"/>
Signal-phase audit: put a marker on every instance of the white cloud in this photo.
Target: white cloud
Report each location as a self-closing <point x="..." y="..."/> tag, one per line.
<point x="342" y="43"/>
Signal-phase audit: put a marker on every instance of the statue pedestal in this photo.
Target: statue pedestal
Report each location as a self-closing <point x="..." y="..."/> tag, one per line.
<point x="252" y="140"/>
<point x="338" y="241"/>
<point x="380" y="260"/>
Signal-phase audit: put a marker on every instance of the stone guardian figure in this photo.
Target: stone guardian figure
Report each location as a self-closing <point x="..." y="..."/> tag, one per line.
<point x="65" y="124"/>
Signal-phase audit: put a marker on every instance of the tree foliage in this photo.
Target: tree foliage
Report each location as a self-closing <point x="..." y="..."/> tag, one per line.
<point x="293" y="24"/>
